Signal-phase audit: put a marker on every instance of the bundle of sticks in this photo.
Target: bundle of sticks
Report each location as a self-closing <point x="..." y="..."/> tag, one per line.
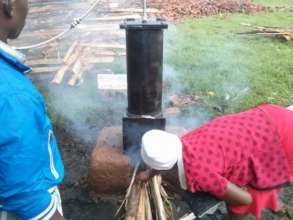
<point x="81" y="57"/>
<point x="147" y="201"/>
<point x="279" y="32"/>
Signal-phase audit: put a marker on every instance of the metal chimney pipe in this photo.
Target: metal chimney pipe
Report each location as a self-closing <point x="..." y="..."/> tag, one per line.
<point x="144" y="42"/>
<point x="144" y="45"/>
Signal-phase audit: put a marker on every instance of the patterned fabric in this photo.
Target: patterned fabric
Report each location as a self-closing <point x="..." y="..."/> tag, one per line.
<point x="242" y="148"/>
<point x="283" y="120"/>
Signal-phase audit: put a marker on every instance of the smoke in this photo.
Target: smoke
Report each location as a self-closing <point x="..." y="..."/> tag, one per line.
<point x="80" y="110"/>
<point x="84" y="111"/>
<point x="208" y="66"/>
<point x="194" y="65"/>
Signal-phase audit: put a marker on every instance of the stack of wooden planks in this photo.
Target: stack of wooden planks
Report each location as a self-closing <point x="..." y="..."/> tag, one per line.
<point x="278" y="32"/>
<point x="98" y="40"/>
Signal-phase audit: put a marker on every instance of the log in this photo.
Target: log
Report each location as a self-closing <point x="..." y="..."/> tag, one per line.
<point x="108" y="53"/>
<point x="141" y="211"/>
<point x="44" y="61"/>
<point x="105" y="46"/>
<point x="116" y="18"/>
<point x="98" y="27"/>
<point x="131" y="206"/>
<point x="97" y="60"/>
<point x="156" y="195"/>
<point x="46" y="33"/>
<point x="70" y="59"/>
<point x="45" y="69"/>
<point x="107" y="57"/>
<point x="51" y="8"/>
<point x="77" y="73"/>
<point x="285" y="33"/>
<point x="60" y="74"/>
<point x="37" y="35"/>
<point x="149" y="215"/>
<point x="134" y="10"/>
<point x="70" y="51"/>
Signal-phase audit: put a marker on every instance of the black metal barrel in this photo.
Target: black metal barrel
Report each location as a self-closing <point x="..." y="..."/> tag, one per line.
<point x="144" y="42"/>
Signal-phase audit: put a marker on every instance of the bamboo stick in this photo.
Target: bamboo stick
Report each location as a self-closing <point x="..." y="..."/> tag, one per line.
<point x="132" y="203"/>
<point x="141" y="211"/>
<point x="149" y="215"/>
<point x="156" y="195"/>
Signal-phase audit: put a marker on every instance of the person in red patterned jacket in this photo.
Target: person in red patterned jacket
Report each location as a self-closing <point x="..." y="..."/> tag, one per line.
<point x="243" y="158"/>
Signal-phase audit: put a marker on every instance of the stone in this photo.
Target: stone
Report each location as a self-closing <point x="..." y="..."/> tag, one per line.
<point x="109" y="169"/>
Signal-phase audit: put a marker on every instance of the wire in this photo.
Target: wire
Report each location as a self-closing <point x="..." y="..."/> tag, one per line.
<point x="73" y="25"/>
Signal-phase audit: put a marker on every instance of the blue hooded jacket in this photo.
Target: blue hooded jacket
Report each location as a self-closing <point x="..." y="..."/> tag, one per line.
<point x="29" y="158"/>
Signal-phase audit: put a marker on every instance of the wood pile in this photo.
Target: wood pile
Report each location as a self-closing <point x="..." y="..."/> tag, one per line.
<point x="98" y="41"/>
<point x="178" y="9"/>
<point x="146" y="201"/>
<point x="277" y="32"/>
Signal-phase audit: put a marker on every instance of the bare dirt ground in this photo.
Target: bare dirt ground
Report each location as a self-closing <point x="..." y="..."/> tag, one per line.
<point x="79" y="202"/>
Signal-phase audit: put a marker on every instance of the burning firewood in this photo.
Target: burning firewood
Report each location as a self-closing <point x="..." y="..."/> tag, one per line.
<point x="279" y="32"/>
<point x="146" y="201"/>
<point x="157" y="198"/>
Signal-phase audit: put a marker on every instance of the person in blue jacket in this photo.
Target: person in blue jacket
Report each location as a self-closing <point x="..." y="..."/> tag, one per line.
<point x="30" y="164"/>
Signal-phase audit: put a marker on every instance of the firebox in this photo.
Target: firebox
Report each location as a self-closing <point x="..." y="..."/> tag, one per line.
<point x="144" y="45"/>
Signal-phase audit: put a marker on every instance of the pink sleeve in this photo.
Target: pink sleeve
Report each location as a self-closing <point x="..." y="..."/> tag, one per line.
<point x="210" y="182"/>
<point x="202" y="165"/>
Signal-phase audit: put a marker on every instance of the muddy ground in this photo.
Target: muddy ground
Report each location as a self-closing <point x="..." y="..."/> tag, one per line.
<point x="78" y="202"/>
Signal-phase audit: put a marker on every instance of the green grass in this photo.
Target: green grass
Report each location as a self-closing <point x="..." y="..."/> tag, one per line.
<point x="274" y="2"/>
<point x="210" y="57"/>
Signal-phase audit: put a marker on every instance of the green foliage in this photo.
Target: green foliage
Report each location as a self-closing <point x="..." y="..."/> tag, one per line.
<point x="211" y="57"/>
<point x="274" y="2"/>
